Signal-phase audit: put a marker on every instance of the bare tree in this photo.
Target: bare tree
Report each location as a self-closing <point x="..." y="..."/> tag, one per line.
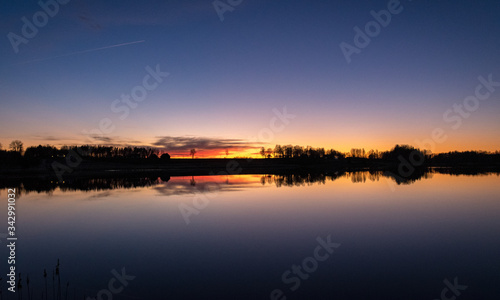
<point x="193" y="152"/>
<point x="278" y="151"/>
<point x="263" y="152"/>
<point x="269" y="151"/>
<point x="16" y="146"/>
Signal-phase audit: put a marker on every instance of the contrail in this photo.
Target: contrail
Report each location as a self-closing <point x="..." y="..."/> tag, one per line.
<point x="80" y="52"/>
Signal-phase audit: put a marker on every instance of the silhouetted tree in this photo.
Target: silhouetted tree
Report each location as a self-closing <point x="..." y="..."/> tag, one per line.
<point x="153" y="157"/>
<point x="321" y="152"/>
<point x="374" y="154"/>
<point x="288" y="150"/>
<point x="193" y="152"/>
<point x="152" y="152"/>
<point x="278" y="151"/>
<point x="165" y="156"/>
<point x="466" y="158"/>
<point x="356" y="152"/>
<point x="297" y="151"/>
<point x="41" y="152"/>
<point x="263" y="152"/>
<point x="334" y="154"/>
<point x="269" y="152"/>
<point x="16" y="146"/>
<point x="406" y="152"/>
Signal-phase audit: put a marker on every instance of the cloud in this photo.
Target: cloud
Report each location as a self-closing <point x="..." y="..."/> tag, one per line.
<point x="186" y="143"/>
<point x="106" y="139"/>
<point x="115" y="141"/>
<point x="49" y="138"/>
<point x="175" y="145"/>
<point x="53" y="140"/>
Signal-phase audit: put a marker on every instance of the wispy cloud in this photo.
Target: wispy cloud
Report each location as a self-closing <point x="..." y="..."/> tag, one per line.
<point x="185" y="143"/>
<point x="174" y="145"/>
<point x="117" y="141"/>
<point x="104" y="139"/>
<point x="53" y="140"/>
<point x="50" y="138"/>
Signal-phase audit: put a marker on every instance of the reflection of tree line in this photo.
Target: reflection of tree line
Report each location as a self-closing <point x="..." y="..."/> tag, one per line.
<point x="320" y="178"/>
<point x="27" y="185"/>
<point x="154" y="179"/>
<point x="296" y="179"/>
<point x="355" y="176"/>
<point x="363" y="176"/>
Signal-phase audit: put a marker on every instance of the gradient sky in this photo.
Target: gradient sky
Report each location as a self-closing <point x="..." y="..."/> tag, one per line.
<point x="226" y="77"/>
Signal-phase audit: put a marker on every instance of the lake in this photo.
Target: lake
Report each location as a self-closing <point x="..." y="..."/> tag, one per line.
<point x="355" y="235"/>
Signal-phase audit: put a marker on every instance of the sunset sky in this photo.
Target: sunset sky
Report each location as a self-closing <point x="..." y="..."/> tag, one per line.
<point x="228" y="79"/>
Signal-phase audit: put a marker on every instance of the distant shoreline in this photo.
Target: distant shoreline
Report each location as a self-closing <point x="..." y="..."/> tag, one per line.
<point x="198" y="167"/>
<point x="403" y="161"/>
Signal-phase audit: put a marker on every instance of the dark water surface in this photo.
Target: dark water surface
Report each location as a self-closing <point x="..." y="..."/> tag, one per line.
<point x="240" y="236"/>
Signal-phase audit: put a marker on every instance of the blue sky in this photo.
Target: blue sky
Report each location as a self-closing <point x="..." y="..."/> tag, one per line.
<point x="226" y="77"/>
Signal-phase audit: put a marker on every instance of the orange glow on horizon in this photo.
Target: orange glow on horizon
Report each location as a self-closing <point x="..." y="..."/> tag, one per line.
<point x="217" y="154"/>
<point x="385" y="144"/>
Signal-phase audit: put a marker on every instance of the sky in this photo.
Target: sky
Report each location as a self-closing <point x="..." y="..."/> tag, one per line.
<point x="240" y="74"/>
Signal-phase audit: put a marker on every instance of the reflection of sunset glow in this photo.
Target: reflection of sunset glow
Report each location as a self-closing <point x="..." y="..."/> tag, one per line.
<point x="358" y="209"/>
<point x="441" y="190"/>
<point x="174" y="185"/>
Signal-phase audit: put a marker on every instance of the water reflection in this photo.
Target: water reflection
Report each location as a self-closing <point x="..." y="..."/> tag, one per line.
<point x="181" y="185"/>
<point x="239" y="244"/>
<point x="355" y="177"/>
<point x="195" y="184"/>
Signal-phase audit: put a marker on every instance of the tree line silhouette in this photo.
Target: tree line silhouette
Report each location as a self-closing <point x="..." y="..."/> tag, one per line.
<point x="397" y="153"/>
<point x="289" y="151"/>
<point x="37" y="154"/>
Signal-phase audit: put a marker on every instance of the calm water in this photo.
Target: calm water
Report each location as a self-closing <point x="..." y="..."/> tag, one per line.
<point x="245" y="232"/>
